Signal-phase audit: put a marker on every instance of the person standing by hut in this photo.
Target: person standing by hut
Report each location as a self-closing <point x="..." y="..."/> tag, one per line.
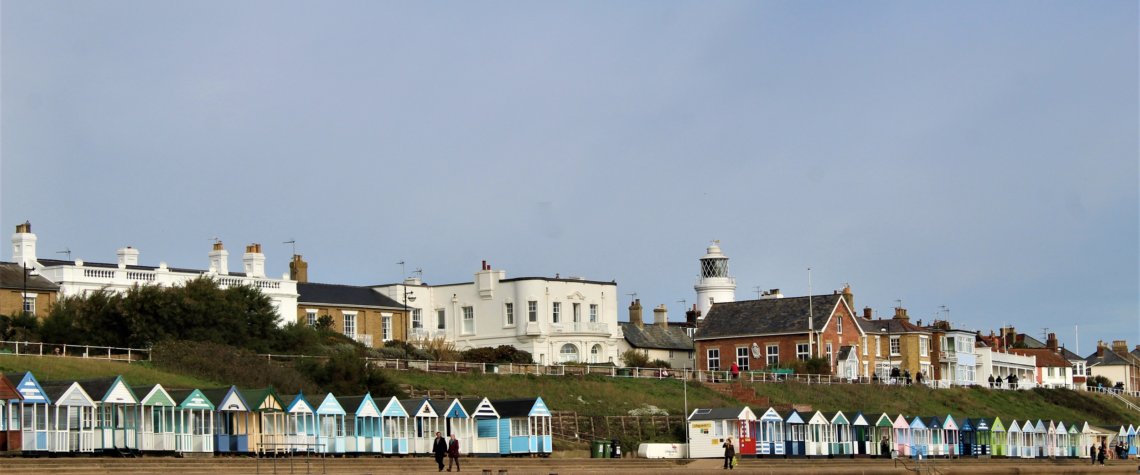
<point x="884" y="448"/>
<point x="439" y="448"/>
<point x="453" y="454"/>
<point x="1100" y="454"/>
<point x="1092" y="453"/>
<point x="729" y="453"/>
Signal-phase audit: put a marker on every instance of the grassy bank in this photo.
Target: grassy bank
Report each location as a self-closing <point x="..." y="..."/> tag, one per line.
<point x="52" y="368"/>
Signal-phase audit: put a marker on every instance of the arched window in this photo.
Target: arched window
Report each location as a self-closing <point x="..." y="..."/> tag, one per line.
<point x="569" y="353"/>
<point x="596" y="354"/>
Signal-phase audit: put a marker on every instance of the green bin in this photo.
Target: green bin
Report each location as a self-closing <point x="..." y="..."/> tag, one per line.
<point x="607" y="449"/>
<point x="596" y="449"/>
<point x="624" y="372"/>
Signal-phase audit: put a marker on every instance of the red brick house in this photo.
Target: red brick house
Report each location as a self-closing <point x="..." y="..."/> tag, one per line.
<point x="765" y="333"/>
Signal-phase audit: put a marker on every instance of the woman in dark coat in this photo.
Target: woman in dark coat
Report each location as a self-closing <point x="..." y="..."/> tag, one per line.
<point x="729" y="453"/>
<point x="1100" y="453"/>
<point x="453" y="453"/>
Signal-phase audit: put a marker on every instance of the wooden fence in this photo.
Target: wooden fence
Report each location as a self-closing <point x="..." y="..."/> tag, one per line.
<point x="32" y="348"/>
<point x="569" y="425"/>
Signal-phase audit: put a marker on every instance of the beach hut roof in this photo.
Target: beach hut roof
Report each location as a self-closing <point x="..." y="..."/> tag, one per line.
<point x="917" y="423"/>
<point x="479" y="408"/>
<point x="793" y="417"/>
<point x="263" y="399"/>
<point x="330" y="405"/>
<point x="722" y="413"/>
<point x="68" y="394"/>
<point x="155" y="396"/>
<point x="837" y="417"/>
<point x="109" y="390"/>
<point x="949" y="423"/>
<point x="860" y="420"/>
<point x="934" y="422"/>
<point x="361" y="406"/>
<point x="419" y="407"/>
<point x="393" y="408"/>
<point x="884" y="420"/>
<point x="901" y="423"/>
<point x="8" y="390"/>
<point x="191" y="399"/>
<point x="771" y="414"/>
<point x="526" y="407"/>
<point x="298" y="404"/>
<point x="226" y="399"/>
<point x="450" y="409"/>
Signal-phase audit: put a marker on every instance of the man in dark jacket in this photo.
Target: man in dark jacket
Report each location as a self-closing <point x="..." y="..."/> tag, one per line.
<point x="453" y="454"/>
<point x="439" y="448"/>
<point x="729" y="453"/>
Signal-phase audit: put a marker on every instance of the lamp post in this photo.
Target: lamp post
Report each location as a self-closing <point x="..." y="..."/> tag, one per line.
<point x="408" y="296"/>
<point x="890" y="363"/>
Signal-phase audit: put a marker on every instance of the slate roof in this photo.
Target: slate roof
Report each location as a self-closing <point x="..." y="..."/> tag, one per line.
<point x="97" y="388"/>
<point x="350" y="403"/>
<point x="653" y="336"/>
<point x="893" y="326"/>
<point x="788" y="315"/>
<point x="1069" y="355"/>
<point x="12" y="277"/>
<point x="1046" y="358"/>
<point x="514" y="407"/>
<point x="345" y="295"/>
<point x="1109" y="358"/>
<point x="55" y="389"/>
<point x="716" y="414"/>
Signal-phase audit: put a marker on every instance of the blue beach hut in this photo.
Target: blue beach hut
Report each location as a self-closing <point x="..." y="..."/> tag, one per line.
<point x="485" y="419"/>
<point x="395" y="435"/>
<point x="524" y="426"/>
<point x="331" y="428"/>
<point x="795" y="434"/>
<point x="770" y="434"/>
<point x="116" y="413"/>
<point x="232" y="419"/>
<point x="363" y="427"/>
<point x="300" y="431"/>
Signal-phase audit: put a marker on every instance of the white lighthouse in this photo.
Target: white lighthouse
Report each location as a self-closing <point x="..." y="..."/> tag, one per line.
<point x="715" y="285"/>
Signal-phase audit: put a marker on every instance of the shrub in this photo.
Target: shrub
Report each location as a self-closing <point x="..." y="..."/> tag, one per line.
<point x="500" y="354"/>
<point x="229" y="365"/>
<point x="634" y="358"/>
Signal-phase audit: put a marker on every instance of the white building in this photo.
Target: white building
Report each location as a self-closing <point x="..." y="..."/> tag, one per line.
<point x="555" y="319"/>
<point x="82" y="278"/>
<point x="957" y="359"/>
<point x="1000" y="364"/>
<point x="715" y="284"/>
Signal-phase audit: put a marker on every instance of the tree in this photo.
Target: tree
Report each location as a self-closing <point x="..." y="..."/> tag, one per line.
<point x="635" y="358"/>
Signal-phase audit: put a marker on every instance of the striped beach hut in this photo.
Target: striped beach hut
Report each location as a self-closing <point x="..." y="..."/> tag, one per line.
<point x="919" y="438"/>
<point x="903" y="442"/>
<point x="795" y="434"/>
<point x="300" y="430"/>
<point x="194" y="421"/>
<point x="232" y="419"/>
<point x="396" y="428"/>
<point x="425" y="423"/>
<point x="267" y="421"/>
<point x="967" y="438"/>
<point x="363" y="425"/>
<point x="116" y="413"/>
<point x="71" y="420"/>
<point x="819" y="435"/>
<point x="10" y="399"/>
<point x="999" y="438"/>
<point x="524" y="426"/>
<point x="769" y="433"/>
<point x="485" y="419"/>
<point x="332" y="431"/>
<point x="841" y="444"/>
<point x="157" y="420"/>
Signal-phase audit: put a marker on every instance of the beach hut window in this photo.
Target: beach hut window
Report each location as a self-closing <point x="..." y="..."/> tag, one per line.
<point x="487" y="428"/>
<point x="519" y="427"/>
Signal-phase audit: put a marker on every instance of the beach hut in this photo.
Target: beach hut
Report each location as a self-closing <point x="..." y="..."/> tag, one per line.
<point x="919" y="438"/>
<point x="709" y="428"/>
<point x="157" y="422"/>
<point x="524" y="426"/>
<point x="1085" y="438"/>
<point x="769" y="434"/>
<point x="1015" y="440"/>
<point x="1029" y="436"/>
<point x="999" y="439"/>
<point x="936" y="446"/>
<point x="861" y="434"/>
<point x="395" y="430"/>
<point x="363" y="425"/>
<point x="841" y="439"/>
<point x="454" y="419"/>
<point x="10" y="399"/>
<point x="1131" y="440"/>
<point x="300" y="431"/>
<point x="116" y="413"/>
<point x="194" y="422"/>
<point x="71" y="420"/>
<point x="485" y="421"/>
<point x="902" y="438"/>
<point x="953" y="435"/>
<point x="232" y="419"/>
<point x="967" y="438"/>
<point x="425" y="423"/>
<point x="331" y="428"/>
<point x="818" y="435"/>
<point x="1063" y="446"/>
<point x="267" y="421"/>
<point x="795" y="434"/>
<point x="1045" y="438"/>
<point x="884" y="431"/>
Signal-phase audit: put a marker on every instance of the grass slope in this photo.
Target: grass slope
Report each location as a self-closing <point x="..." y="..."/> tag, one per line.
<point x="53" y="368"/>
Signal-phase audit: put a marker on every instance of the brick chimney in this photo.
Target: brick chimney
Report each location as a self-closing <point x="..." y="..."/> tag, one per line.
<point x="220" y="259"/>
<point x="253" y="261"/>
<point x="868" y="313"/>
<point x="298" y="269"/>
<point x="661" y="316"/>
<point x="1051" y="342"/>
<point x="849" y="297"/>
<point x="900" y="314"/>
<point x="1100" y="348"/>
<point x="691" y="315"/>
<point x="635" y="313"/>
<point x="1120" y="346"/>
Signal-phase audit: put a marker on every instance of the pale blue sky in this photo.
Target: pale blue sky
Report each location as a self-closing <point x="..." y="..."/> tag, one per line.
<point x="980" y="155"/>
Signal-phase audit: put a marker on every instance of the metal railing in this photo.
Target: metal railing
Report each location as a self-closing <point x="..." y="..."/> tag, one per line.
<point x="32" y="348"/>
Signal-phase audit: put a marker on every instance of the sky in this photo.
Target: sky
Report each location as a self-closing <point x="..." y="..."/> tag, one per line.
<point x="980" y="156"/>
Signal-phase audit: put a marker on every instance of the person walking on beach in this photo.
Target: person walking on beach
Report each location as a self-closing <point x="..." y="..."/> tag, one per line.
<point x="729" y="453"/>
<point x="439" y="448"/>
<point x="453" y="454"/>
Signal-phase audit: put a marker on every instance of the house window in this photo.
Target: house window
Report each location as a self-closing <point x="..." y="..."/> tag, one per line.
<point x="1050" y="372"/>
<point x="864" y="345"/>
<point x="894" y="346"/>
<point x="714" y="359"/>
<point x="577" y="312"/>
<point x="532" y="311"/>
<point x="311" y="317"/>
<point x="596" y="354"/>
<point x="923" y="346"/>
<point x="350" y="325"/>
<point x="802" y="351"/>
<point x="468" y="320"/>
<point x="593" y="313"/>
<point x="441" y="319"/>
<point x="417" y="318"/>
<point x="386" y="327"/>
<point x="30" y="303"/>
<point x="773" y="356"/>
<point x="830" y="355"/>
<point x="839" y="325"/>
<point x="742" y="358"/>
<point x="556" y="312"/>
<point x="878" y="346"/>
<point x="568" y="353"/>
<point x="509" y="310"/>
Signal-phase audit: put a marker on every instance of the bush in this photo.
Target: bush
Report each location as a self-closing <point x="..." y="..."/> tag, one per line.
<point x="635" y="359"/>
<point x="229" y="365"/>
<point x="500" y="354"/>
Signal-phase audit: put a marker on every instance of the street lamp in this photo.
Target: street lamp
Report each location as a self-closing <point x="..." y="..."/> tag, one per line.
<point x="408" y="297"/>
<point x="890" y="364"/>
